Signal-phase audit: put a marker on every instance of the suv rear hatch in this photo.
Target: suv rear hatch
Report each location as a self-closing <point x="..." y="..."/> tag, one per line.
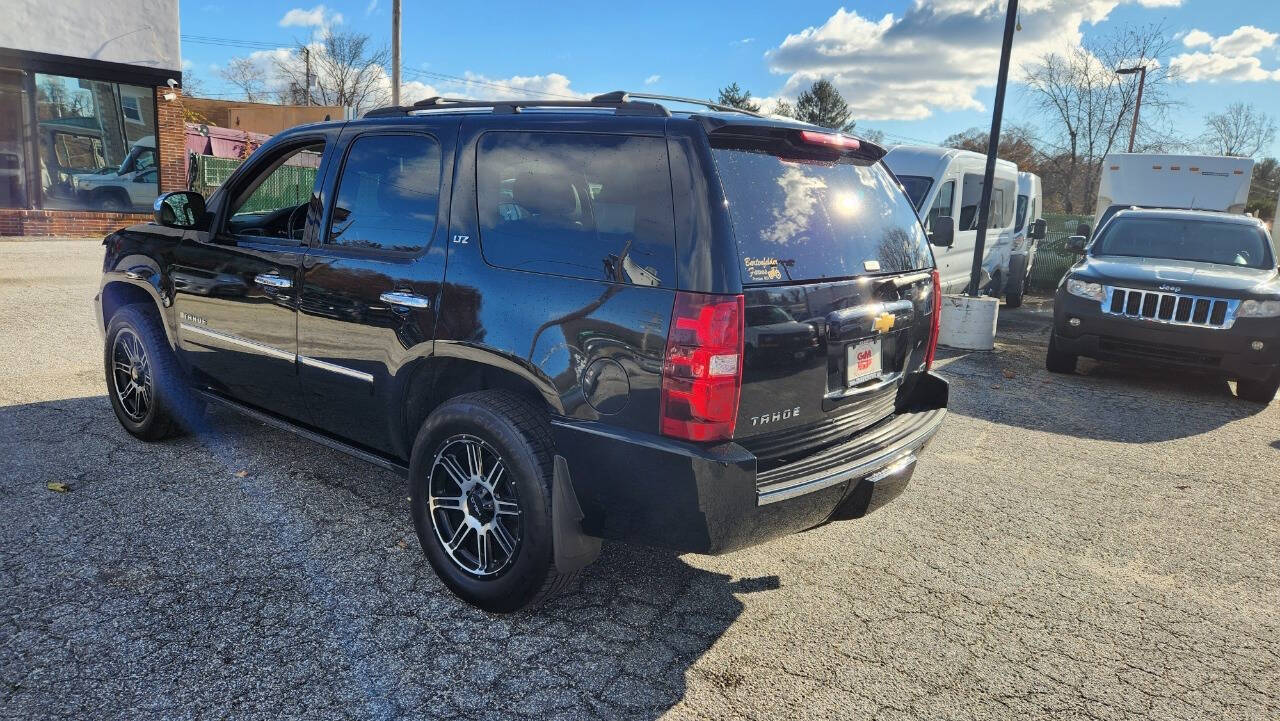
<point x="837" y="284"/>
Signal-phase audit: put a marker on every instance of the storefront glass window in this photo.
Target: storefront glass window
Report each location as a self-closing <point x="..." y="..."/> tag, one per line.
<point x="13" y="148"/>
<point x="97" y="142"/>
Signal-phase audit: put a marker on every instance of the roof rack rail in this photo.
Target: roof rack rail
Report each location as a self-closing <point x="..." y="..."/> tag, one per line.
<point x="622" y="101"/>
<point x="623" y="96"/>
<point x="619" y="102"/>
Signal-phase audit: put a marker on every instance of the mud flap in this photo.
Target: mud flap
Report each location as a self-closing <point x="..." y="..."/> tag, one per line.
<point x="573" y="548"/>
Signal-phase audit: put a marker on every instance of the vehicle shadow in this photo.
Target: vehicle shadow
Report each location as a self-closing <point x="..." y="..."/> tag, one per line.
<point x="1128" y="403"/>
<point x="245" y="558"/>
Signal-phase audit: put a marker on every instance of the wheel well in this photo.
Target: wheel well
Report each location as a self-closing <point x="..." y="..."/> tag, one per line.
<point x="119" y="294"/>
<point x="443" y="378"/>
<point x="118" y="193"/>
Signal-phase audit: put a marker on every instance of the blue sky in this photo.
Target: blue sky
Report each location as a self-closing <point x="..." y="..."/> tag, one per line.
<point x="916" y="69"/>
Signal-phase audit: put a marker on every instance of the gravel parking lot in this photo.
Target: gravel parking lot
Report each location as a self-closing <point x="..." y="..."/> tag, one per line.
<point x="1093" y="547"/>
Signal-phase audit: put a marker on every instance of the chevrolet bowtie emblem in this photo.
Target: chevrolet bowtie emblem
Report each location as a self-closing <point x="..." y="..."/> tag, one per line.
<point x="884" y="322"/>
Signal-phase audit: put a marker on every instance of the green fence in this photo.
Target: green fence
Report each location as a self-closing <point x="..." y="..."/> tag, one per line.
<point x="1052" y="257"/>
<point x="287" y="185"/>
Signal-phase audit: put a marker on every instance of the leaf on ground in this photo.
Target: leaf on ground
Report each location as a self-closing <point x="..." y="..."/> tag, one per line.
<point x="996" y="386"/>
<point x="57" y="487"/>
<point x="401" y="544"/>
<point x="1008" y="373"/>
<point x="241" y="474"/>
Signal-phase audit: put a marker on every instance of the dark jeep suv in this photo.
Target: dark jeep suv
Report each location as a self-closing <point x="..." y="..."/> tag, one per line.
<point x="540" y="313"/>
<point x="1187" y="289"/>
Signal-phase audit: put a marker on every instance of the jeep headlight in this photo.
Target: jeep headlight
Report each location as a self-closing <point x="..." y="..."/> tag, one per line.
<point x="1085" y="289"/>
<point x="1259" y="309"/>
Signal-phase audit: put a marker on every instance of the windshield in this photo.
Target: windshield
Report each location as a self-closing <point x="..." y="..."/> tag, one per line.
<point x="811" y="219"/>
<point x="1201" y="241"/>
<point x="917" y="186"/>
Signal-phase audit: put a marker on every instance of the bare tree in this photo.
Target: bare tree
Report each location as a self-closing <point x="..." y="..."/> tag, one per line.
<point x="248" y="76"/>
<point x="1241" y="130"/>
<point x="1087" y="107"/>
<point x="345" y="70"/>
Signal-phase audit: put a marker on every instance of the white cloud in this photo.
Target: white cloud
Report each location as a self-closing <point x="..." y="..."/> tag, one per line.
<point x="1196" y="38"/>
<point x="317" y="17"/>
<point x="1244" y="40"/>
<point x="743" y="41"/>
<point x="1160" y="3"/>
<point x="371" y="7"/>
<point x="652" y="79"/>
<point x="1231" y="58"/>
<point x="936" y="56"/>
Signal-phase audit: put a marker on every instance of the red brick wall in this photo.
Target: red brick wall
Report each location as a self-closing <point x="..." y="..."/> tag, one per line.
<point x="65" y="223"/>
<point x="171" y="139"/>
<point x="171" y="142"/>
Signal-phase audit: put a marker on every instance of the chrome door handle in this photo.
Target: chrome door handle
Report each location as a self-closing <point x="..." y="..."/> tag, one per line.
<point x="272" y="280"/>
<point x="405" y="299"/>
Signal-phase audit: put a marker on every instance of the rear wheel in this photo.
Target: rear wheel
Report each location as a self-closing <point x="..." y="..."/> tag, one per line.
<point x="1014" y="298"/>
<point x="143" y="378"/>
<point x="480" y="485"/>
<point x="1057" y="361"/>
<point x="1258" y="391"/>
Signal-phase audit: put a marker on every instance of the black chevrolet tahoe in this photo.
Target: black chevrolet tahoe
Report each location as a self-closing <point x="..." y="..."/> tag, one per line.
<point x="1188" y="289"/>
<point x="562" y="321"/>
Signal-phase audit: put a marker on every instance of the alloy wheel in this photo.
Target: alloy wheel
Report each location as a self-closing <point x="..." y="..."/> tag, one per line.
<point x="131" y="375"/>
<point x="474" y="506"/>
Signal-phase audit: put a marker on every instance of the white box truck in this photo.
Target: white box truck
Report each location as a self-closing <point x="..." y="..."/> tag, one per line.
<point x="1188" y="182"/>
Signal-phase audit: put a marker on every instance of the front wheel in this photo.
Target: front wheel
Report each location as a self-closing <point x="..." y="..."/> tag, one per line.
<point x="480" y="485"/>
<point x="143" y="378"/>
<point x="1056" y="361"/>
<point x="1258" y="391"/>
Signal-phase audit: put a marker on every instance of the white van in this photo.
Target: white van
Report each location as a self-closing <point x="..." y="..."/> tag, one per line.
<point x="1026" y="231"/>
<point x="946" y="182"/>
<point x="1187" y="182"/>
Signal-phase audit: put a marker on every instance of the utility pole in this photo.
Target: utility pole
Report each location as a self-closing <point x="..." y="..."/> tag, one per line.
<point x="306" y="74"/>
<point x="1142" y="81"/>
<point x="395" y="52"/>
<point x="993" y="146"/>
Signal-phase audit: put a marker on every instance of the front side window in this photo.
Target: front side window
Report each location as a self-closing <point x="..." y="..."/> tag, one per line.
<point x="942" y="205"/>
<point x="388" y="194"/>
<point x="1021" y="220"/>
<point x="273" y="201"/>
<point x="592" y="206"/>
<point x="1201" y="241"/>
<point x="1002" y="202"/>
<point x="86" y="129"/>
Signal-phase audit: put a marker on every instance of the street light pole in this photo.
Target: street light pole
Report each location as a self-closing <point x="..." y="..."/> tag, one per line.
<point x="993" y="146"/>
<point x="1142" y="81"/>
<point x="395" y="52"/>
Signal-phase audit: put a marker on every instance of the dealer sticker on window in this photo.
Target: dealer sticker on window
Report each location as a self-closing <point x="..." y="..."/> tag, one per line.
<point x="864" y="361"/>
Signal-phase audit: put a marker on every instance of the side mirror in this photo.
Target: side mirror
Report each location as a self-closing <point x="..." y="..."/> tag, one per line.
<point x="943" y="234"/>
<point x="180" y="209"/>
<point x="1084" y="229"/>
<point x="1039" y="229"/>
<point x="1076" y="243"/>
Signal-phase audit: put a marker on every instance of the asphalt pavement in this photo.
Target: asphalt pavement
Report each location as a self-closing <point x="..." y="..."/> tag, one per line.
<point x="1097" y="546"/>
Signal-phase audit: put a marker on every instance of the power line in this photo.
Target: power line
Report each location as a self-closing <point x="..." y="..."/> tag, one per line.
<point x="230" y="42"/>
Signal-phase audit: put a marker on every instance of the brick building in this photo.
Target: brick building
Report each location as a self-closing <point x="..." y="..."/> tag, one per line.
<point x="91" y="116"/>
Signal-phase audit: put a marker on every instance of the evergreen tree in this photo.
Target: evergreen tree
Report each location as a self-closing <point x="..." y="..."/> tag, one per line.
<point x="822" y="105"/>
<point x="736" y="97"/>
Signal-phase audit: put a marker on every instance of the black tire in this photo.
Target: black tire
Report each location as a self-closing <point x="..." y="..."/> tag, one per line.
<point x="1263" y="391"/>
<point x="518" y="433"/>
<point x="1013" y="299"/>
<point x="167" y="397"/>
<point x="1058" y="362"/>
<point x="111" y="202"/>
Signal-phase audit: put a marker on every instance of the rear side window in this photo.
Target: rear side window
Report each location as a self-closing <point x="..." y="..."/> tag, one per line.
<point x="591" y="206"/>
<point x="388" y="194"/>
<point x="811" y="219"/>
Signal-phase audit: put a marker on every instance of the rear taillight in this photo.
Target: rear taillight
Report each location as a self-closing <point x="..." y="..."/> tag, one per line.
<point x="831" y="140"/>
<point x="935" y="321"/>
<point x="702" y="373"/>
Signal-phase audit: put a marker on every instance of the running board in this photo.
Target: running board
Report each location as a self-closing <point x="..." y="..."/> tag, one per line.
<point x="307" y="433"/>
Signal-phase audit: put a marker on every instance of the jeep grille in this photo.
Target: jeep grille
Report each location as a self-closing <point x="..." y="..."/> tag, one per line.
<point x="1172" y="308"/>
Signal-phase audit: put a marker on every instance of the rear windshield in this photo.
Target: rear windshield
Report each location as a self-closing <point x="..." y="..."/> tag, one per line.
<point x="813" y="219"/>
<point x="1202" y="241"/>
